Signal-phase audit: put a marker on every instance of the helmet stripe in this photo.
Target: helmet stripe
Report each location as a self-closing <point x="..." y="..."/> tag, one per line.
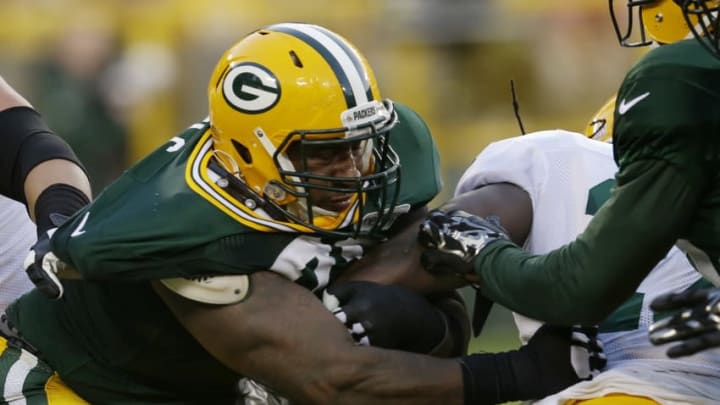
<point x="345" y="63"/>
<point x="354" y="57"/>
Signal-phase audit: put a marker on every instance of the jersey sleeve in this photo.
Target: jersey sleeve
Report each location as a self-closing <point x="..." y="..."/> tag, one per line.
<point x="530" y="160"/>
<point x="149" y="224"/>
<point x="583" y="281"/>
<point x="664" y="141"/>
<point x="649" y="127"/>
<point x="509" y="160"/>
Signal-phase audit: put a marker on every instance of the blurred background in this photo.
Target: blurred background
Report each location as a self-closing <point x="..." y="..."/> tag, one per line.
<point x="118" y="78"/>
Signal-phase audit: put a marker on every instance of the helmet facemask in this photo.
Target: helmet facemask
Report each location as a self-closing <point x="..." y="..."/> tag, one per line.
<point x="649" y="22"/>
<point x="333" y="200"/>
<point x="629" y="38"/>
<point x="703" y="20"/>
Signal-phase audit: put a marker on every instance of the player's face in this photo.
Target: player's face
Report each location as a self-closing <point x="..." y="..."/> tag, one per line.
<point x="338" y="161"/>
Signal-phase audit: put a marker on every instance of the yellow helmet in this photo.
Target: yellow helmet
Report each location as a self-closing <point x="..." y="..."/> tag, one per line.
<point x="303" y="85"/>
<point x="704" y="21"/>
<point x="658" y="21"/>
<point x="600" y="126"/>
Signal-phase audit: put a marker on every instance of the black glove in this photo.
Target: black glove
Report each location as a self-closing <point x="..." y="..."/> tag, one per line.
<point x="387" y="316"/>
<point x="453" y="240"/>
<point x="697" y="326"/>
<point x="554" y="359"/>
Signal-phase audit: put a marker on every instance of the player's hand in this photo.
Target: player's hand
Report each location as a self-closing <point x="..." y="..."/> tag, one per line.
<point x="42" y="266"/>
<point x="387" y="316"/>
<point x="564" y="356"/>
<point x="453" y="240"/>
<point x="696" y="327"/>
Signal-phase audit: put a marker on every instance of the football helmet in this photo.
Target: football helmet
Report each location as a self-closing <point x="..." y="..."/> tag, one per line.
<point x="657" y="21"/>
<point x="301" y="86"/>
<point x="600" y="126"/>
<point x="702" y="18"/>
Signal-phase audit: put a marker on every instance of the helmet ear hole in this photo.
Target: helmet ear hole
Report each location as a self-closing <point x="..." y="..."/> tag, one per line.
<point x="242" y="151"/>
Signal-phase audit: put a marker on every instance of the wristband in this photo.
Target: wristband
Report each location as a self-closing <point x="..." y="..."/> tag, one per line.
<point x="492" y="378"/>
<point x="480" y="379"/>
<point x="57" y="203"/>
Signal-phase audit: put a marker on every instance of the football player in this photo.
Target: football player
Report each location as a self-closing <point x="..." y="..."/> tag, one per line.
<point x="205" y="261"/>
<point x="545" y="187"/>
<point x="567" y="178"/>
<point x="40" y="179"/>
<point x="666" y="192"/>
<point x="697" y="325"/>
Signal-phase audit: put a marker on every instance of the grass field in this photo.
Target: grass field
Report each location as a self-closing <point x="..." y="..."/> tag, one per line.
<point x="499" y="333"/>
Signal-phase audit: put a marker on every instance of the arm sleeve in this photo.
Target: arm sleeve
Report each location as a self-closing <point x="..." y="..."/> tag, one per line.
<point x="27" y="141"/>
<point x="583" y="281"/>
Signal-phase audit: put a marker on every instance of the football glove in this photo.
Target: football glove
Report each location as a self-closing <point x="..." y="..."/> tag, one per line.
<point x="453" y="240"/>
<point x="561" y="356"/>
<point x="42" y="266"/>
<point x="386" y="315"/>
<point x="587" y="353"/>
<point x="52" y="208"/>
<point x="696" y="327"/>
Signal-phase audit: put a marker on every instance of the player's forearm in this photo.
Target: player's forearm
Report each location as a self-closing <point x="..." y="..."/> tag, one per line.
<point x="282" y="336"/>
<point x="546" y="287"/>
<point x="394" y="377"/>
<point x="584" y="281"/>
<point x="56" y="171"/>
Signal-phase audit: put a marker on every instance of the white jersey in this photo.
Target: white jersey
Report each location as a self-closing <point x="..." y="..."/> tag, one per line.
<point x="568" y="177"/>
<point x="17" y="235"/>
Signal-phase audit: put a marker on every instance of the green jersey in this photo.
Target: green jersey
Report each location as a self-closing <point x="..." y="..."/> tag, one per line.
<point x="667" y="146"/>
<point x="111" y="338"/>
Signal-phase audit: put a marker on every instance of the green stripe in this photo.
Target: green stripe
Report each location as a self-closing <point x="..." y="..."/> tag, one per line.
<point x="343" y="80"/>
<point x="309" y="279"/>
<point x="8" y="357"/>
<point x="598" y="195"/>
<point x="626" y="317"/>
<point x="352" y="54"/>
<point x="34" y="387"/>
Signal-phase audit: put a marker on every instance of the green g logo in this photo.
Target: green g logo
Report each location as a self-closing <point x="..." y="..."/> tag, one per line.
<point x="251" y="88"/>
